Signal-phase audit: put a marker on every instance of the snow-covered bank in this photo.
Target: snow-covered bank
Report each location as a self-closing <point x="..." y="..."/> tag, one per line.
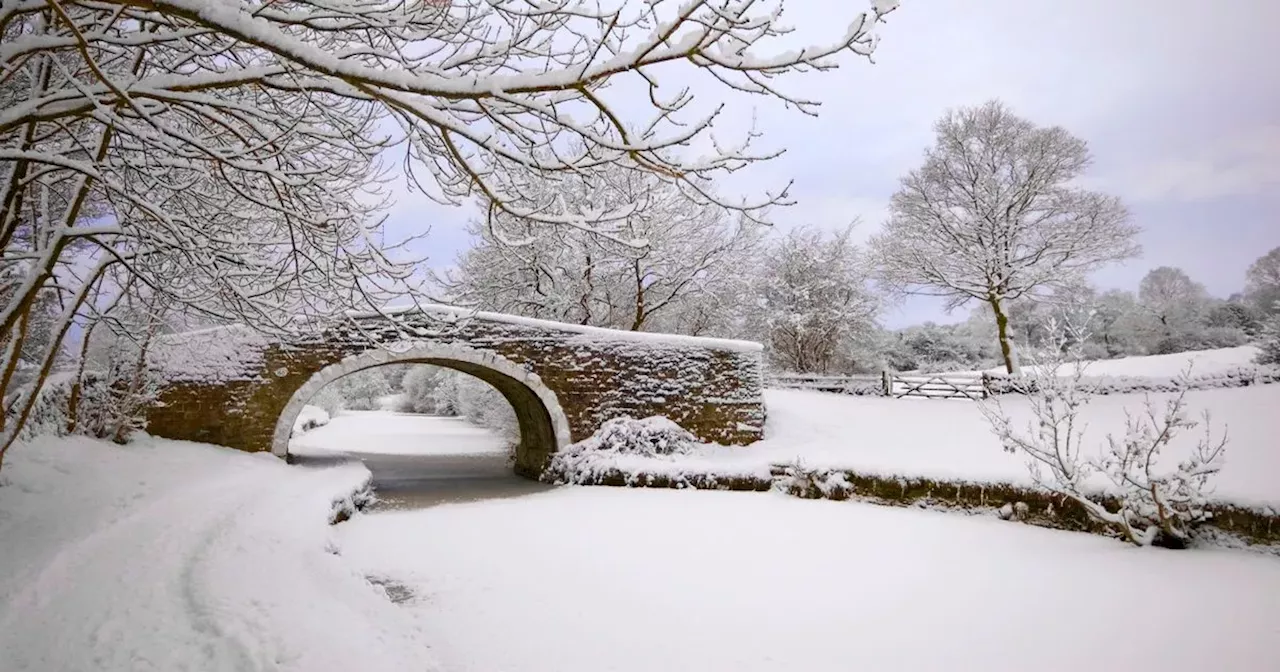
<point x="951" y="440"/>
<point x="387" y="433"/>
<point x="584" y="579"/>
<point x="168" y="555"/>
<point x="1201" y="362"/>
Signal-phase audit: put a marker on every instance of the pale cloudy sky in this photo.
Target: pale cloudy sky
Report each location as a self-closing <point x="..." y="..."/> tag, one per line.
<point x="1178" y="99"/>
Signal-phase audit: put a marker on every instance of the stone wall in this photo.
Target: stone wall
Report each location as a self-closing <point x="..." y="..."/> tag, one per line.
<point x="232" y="387"/>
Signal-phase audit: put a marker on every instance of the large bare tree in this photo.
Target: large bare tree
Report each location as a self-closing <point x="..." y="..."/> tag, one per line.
<point x="666" y="266"/>
<point x="992" y="216"/>
<point x="228" y="153"/>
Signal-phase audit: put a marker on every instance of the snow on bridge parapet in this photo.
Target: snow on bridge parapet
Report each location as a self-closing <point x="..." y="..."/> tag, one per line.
<point x="454" y="314"/>
<point x="231" y="385"/>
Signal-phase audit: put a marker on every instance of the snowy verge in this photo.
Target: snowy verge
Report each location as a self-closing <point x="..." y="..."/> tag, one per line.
<point x="1231" y="524"/>
<point x="309" y="418"/>
<point x="173" y="555"/>
<point x="938" y="453"/>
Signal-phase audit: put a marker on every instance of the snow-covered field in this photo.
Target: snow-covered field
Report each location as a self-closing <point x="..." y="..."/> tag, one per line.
<point x="951" y="440"/>
<point x="587" y="579"/>
<point x="1200" y="361"/>
<point x="387" y="433"/>
<point x="166" y="555"/>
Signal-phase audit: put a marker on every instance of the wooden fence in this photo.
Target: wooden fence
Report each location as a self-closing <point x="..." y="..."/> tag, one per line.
<point x="887" y="384"/>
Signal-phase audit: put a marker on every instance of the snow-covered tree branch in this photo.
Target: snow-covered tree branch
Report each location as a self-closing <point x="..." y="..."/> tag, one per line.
<point x="812" y="299"/>
<point x="1153" y="503"/>
<point x="667" y="265"/>
<point x="228" y="154"/>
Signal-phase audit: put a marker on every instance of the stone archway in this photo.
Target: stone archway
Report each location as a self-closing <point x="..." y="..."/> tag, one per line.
<point x="543" y="425"/>
<point x="237" y="387"/>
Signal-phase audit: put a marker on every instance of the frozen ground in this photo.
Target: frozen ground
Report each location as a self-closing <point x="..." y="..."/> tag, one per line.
<point x="167" y="556"/>
<point x="386" y="433"/>
<point x="589" y="579"/>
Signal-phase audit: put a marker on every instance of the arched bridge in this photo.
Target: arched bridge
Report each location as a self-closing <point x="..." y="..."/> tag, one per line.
<point x="235" y="387"/>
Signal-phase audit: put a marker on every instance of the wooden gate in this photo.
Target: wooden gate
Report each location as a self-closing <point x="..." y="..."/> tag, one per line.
<point x="937" y="387"/>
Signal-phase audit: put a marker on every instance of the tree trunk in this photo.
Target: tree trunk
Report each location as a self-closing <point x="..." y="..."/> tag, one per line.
<point x="1006" y="344"/>
<point x="638" y="315"/>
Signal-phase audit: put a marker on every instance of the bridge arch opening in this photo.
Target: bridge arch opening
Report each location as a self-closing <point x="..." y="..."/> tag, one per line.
<point x="542" y="423"/>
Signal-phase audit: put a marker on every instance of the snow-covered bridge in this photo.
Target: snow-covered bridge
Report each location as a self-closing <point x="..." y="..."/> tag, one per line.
<point x="236" y="387"/>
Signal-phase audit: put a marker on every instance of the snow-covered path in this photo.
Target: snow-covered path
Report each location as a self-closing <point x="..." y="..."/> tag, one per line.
<point x="221" y="564"/>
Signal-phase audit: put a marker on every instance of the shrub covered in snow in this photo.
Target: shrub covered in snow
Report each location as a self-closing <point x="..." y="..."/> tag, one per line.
<point x="587" y="460"/>
<point x="101" y="405"/>
<point x="656" y="435"/>
<point x="1154" y="502"/>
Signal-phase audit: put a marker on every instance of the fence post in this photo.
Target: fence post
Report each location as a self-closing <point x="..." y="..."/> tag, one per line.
<point x="887" y="381"/>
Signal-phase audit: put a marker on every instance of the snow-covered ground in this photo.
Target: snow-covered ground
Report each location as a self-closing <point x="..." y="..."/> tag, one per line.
<point x="166" y="555"/>
<point x="586" y="579"/>
<point x="387" y="433"/>
<point x="951" y="440"/>
<point x="1201" y="362"/>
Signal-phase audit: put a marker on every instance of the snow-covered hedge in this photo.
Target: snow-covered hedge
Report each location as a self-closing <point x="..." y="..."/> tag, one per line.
<point x="583" y="462"/>
<point x="102" y="409"/>
<point x="1240" y="376"/>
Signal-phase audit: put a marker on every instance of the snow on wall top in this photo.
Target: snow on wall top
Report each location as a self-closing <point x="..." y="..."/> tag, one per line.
<point x="235" y="352"/>
<point x="454" y="313"/>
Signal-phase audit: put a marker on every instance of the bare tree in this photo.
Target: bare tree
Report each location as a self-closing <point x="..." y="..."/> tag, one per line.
<point x="812" y="299"/>
<point x="1269" y="340"/>
<point x="1262" y="282"/>
<point x="666" y="265"/>
<point x="990" y="216"/>
<point x="227" y="153"/>
<point x="1174" y="304"/>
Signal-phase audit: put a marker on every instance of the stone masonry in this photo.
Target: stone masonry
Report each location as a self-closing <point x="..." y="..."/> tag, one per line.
<point x="238" y="388"/>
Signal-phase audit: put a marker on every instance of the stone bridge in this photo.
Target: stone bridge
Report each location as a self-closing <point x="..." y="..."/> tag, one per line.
<point x="236" y="387"/>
